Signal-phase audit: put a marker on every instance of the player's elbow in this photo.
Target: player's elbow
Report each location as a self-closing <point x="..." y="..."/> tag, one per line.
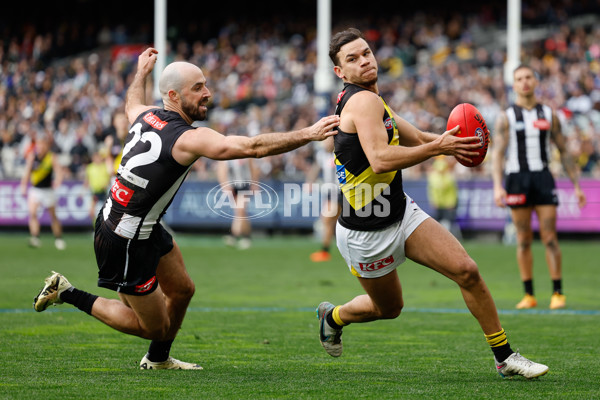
<point x="378" y="166"/>
<point x="257" y="150"/>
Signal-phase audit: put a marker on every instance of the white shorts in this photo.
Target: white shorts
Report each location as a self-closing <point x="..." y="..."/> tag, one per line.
<point x="43" y="196"/>
<point x="371" y="254"/>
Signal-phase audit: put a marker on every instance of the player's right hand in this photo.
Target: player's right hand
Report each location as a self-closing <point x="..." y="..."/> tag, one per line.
<point x="146" y="61"/>
<point x="500" y="197"/>
<point x="324" y="128"/>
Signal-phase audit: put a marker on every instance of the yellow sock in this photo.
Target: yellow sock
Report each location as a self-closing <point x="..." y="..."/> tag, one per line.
<point x="497" y="339"/>
<point x="336" y="316"/>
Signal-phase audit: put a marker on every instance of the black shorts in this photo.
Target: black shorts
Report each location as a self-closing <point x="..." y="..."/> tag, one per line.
<point x="531" y="189"/>
<point x="240" y="187"/>
<point x="129" y="266"/>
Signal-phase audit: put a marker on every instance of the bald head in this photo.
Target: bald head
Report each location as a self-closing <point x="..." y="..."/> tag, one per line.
<point x="183" y="89"/>
<point x="175" y="77"/>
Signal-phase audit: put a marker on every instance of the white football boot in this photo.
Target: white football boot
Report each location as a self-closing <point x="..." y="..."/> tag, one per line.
<point x="169" y="363"/>
<point x="516" y="364"/>
<point x="55" y="284"/>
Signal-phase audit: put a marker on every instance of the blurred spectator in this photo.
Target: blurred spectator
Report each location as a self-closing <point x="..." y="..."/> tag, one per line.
<point x="115" y="137"/>
<point x="80" y="152"/>
<point x="97" y="180"/>
<point x="589" y="158"/>
<point x="65" y="76"/>
<point x="442" y="191"/>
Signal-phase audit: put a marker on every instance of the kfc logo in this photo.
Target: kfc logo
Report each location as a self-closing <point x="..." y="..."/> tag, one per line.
<point x="516" y="199"/>
<point x="122" y="194"/>
<point x="145" y="286"/>
<point x="154" y="121"/>
<point x="374" y="266"/>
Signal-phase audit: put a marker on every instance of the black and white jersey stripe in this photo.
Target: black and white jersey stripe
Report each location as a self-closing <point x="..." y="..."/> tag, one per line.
<point x="529" y="138"/>
<point x="148" y="177"/>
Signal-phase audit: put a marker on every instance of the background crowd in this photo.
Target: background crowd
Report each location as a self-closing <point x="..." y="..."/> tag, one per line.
<point x="70" y="79"/>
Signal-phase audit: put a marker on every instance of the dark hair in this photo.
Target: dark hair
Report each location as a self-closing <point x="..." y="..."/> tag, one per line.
<point x="340" y="39"/>
<point x="525" y="66"/>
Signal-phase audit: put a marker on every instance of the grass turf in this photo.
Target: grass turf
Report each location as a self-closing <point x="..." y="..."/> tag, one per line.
<point x="252" y="326"/>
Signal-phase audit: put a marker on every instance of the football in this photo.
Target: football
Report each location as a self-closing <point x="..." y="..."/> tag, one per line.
<point x="471" y="124"/>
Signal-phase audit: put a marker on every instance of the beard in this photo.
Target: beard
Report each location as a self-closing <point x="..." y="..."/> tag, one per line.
<point x="192" y="111"/>
<point x="370" y="82"/>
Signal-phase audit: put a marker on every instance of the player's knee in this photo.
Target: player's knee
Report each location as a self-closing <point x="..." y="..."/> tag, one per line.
<point x="391" y="311"/>
<point x="469" y="273"/>
<point x="188" y="289"/>
<point x="551" y="244"/>
<point x="185" y="291"/>
<point x="524" y="244"/>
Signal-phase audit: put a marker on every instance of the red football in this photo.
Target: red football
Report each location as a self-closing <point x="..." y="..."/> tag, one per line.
<point x="471" y="124"/>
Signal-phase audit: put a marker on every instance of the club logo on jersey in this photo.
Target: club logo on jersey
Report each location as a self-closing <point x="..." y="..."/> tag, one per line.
<point x="154" y="121"/>
<point x="341" y="173"/>
<point x="516" y="199"/>
<point x="144" y="287"/>
<point x="121" y="193"/>
<point x="389" y="123"/>
<point x="541" y="124"/>
<point x="376" y="265"/>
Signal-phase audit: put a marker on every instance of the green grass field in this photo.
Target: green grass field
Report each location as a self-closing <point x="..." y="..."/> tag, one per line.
<point x="252" y="326"/>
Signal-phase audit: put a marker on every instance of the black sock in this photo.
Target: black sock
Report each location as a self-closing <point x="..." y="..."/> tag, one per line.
<point x="501" y="353"/>
<point x="528" y="285"/>
<point x="331" y="322"/>
<point x="499" y="344"/>
<point x="159" y="351"/>
<point x="326" y="249"/>
<point x="80" y="299"/>
<point x="557" y="285"/>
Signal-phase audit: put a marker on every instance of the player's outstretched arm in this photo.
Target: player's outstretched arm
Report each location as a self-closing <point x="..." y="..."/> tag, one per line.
<point x="206" y="142"/>
<point x="276" y="143"/>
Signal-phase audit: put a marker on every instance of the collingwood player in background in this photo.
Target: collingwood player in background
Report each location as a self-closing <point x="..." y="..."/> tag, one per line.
<point x="523" y="133"/>
<point x="136" y="256"/>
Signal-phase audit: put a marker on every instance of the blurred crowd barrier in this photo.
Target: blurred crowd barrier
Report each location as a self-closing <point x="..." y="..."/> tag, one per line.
<point x="285" y="206"/>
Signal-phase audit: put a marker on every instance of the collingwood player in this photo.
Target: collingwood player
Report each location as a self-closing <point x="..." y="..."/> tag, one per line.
<point x="136" y="256"/>
<point x="523" y="133"/>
